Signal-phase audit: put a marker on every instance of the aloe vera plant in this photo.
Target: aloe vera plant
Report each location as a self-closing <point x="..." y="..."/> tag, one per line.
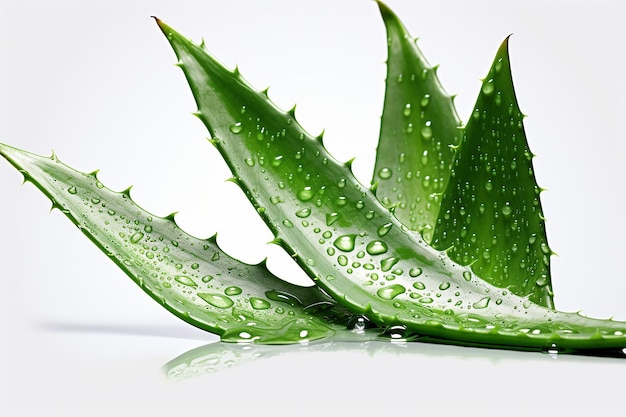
<point x="356" y="250"/>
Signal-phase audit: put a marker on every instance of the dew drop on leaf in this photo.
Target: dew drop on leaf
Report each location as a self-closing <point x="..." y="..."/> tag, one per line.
<point x="388" y="263"/>
<point x="236" y="128"/>
<point x="216" y="300"/>
<point x="482" y="303"/>
<point x="391" y="291"/>
<point x="232" y="290"/>
<point x="427" y="131"/>
<point x="185" y="280"/>
<point x="345" y="243"/>
<point x="376" y="247"/>
<point x="303" y="213"/>
<point x="305" y="194"/>
<point x="384" y="173"/>
<point x="415" y="272"/>
<point x="384" y="229"/>
<point x="488" y="87"/>
<point x="259" y="303"/>
<point x="135" y="238"/>
<point x="418" y="285"/>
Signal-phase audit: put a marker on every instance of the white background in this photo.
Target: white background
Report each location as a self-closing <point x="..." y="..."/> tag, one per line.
<point x="95" y="81"/>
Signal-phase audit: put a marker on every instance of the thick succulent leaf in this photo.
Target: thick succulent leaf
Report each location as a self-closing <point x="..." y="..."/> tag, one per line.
<point x="190" y="277"/>
<point x="419" y="129"/>
<point x="348" y="242"/>
<point x="491" y="215"/>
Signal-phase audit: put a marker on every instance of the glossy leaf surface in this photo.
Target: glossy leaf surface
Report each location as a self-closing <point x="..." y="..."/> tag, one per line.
<point x="491" y="215"/>
<point x="418" y="131"/>
<point x="192" y="278"/>
<point x="348" y="242"/>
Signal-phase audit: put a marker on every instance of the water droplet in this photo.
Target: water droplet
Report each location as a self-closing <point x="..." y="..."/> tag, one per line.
<point x="398" y="333"/>
<point x="136" y="237"/>
<point x="384" y="173"/>
<point x="384" y="229"/>
<point x="305" y="194"/>
<point x="415" y="272"/>
<point x="147" y="229"/>
<point x="388" y="263"/>
<point x="236" y="128"/>
<point x="277" y="161"/>
<point x="498" y="65"/>
<point x="283" y="297"/>
<point x="488" y="87"/>
<point x="544" y="248"/>
<point x="287" y="223"/>
<point x="345" y="243"/>
<point x="232" y="290"/>
<point x="303" y="213"/>
<point x="444" y="286"/>
<point x="72" y="190"/>
<point x="376" y="247"/>
<point x="482" y="303"/>
<point x="467" y="275"/>
<point x="391" y="291"/>
<point x="195" y="266"/>
<point x="259" y="303"/>
<point x="217" y="300"/>
<point x="342" y="260"/>
<point x="358" y="323"/>
<point x="185" y="280"/>
<point x="506" y="210"/>
<point x="341" y="183"/>
<point x="276" y="200"/>
<point x="426" y="300"/>
<point x="407" y="110"/>
<point x="542" y="281"/>
<point x="418" y="285"/>
<point x="331" y="218"/>
<point x="249" y="162"/>
<point x="425" y="100"/>
<point x="207" y="278"/>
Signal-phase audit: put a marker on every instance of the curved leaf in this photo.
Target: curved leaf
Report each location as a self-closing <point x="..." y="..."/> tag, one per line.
<point x="350" y="244"/>
<point x="192" y="278"/>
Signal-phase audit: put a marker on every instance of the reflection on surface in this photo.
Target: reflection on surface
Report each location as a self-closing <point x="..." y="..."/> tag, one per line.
<point x="218" y="356"/>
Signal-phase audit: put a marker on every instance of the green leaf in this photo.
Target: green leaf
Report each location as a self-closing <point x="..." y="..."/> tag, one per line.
<point x="348" y="242"/>
<point x="192" y="278"/>
<point x="491" y="216"/>
<point x="418" y="131"/>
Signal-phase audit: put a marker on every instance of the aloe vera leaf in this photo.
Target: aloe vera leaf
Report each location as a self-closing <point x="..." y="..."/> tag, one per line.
<point x="348" y="242"/>
<point x="491" y="215"/>
<point x="418" y="131"/>
<point x="192" y="278"/>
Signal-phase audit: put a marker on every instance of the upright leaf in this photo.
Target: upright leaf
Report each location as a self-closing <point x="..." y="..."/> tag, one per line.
<point x="491" y="215"/>
<point x="192" y="278"/>
<point x="418" y="130"/>
<point x="350" y="244"/>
